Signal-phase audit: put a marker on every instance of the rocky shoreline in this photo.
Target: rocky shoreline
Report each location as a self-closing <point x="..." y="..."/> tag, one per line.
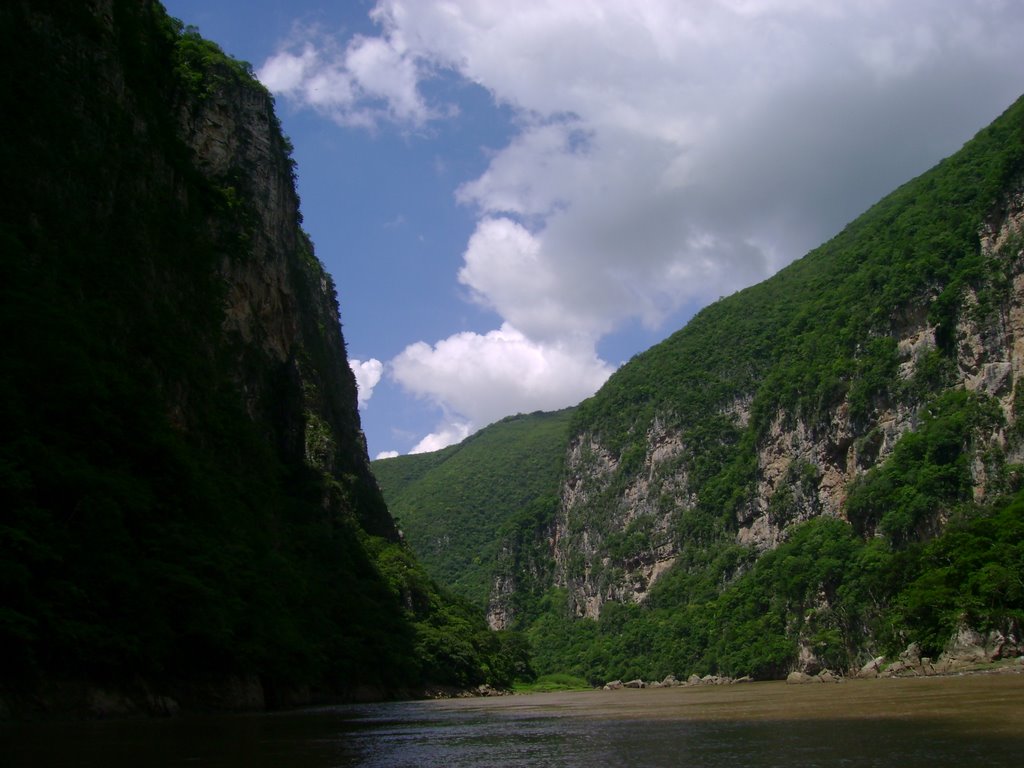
<point x="967" y="652"/>
<point x="671" y="682"/>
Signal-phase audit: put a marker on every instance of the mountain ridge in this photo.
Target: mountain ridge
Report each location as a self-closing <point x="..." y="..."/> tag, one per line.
<point x="862" y="401"/>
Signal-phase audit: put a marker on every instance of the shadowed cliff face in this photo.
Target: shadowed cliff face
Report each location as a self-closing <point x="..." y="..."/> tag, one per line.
<point x="280" y="306"/>
<point x="186" y="491"/>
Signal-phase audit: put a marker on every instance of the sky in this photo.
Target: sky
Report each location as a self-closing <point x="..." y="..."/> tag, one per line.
<point x="514" y="198"/>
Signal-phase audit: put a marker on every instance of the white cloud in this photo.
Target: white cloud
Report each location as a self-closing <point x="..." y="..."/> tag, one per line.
<point x="368" y="80"/>
<point x="386" y="455"/>
<point x="479" y="378"/>
<point x="446" y="434"/>
<point x="368" y="375"/>
<point x="507" y="270"/>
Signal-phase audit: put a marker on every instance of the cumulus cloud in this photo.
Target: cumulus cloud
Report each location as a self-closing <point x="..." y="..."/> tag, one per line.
<point x="386" y="455"/>
<point x="666" y="152"/>
<point x="447" y="434"/>
<point x="652" y="130"/>
<point x="479" y="378"/>
<point x="368" y="375"/>
<point x="368" y="80"/>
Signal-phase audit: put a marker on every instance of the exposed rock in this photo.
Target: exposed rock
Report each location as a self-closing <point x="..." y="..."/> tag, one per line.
<point x="807" y="662"/>
<point x="798" y="678"/>
<point x="872" y="669"/>
<point x="671" y="682"/>
<point x="487" y="690"/>
<point x="908" y="665"/>
<point x="581" y="564"/>
<point x="968" y="647"/>
<point x="912" y="655"/>
<point x="162" y="706"/>
<point x="812" y="465"/>
<point x="102" y="703"/>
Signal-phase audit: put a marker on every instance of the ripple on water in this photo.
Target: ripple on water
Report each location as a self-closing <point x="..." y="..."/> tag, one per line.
<point x="930" y="723"/>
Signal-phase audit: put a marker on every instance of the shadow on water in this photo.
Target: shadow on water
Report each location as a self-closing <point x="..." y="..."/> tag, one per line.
<point x="760" y="725"/>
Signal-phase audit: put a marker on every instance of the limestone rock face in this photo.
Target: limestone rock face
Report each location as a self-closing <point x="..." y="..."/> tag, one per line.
<point x="583" y="562"/>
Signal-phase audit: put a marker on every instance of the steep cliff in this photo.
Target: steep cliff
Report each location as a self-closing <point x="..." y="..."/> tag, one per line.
<point x="775" y="485"/>
<point x="189" y="513"/>
<point x="769" y="408"/>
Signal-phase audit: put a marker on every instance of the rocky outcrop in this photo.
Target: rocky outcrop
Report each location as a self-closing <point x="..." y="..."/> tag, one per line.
<point x="872" y="668"/>
<point x="802" y="678"/>
<point x="235" y="129"/>
<point x="622" y="560"/>
<point x="967" y="650"/>
<point x="670" y="681"/>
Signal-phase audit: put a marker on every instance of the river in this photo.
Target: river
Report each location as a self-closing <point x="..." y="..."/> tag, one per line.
<point x="952" y="721"/>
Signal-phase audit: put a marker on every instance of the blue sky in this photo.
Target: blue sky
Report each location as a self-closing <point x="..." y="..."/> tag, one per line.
<point x="515" y="198"/>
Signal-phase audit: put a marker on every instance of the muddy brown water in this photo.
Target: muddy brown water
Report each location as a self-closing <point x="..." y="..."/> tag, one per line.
<point x="953" y="721"/>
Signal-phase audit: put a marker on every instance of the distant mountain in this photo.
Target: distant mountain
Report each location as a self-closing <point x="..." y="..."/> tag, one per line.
<point x="188" y="513"/>
<point x="456" y="505"/>
<point x="814" y="471"/>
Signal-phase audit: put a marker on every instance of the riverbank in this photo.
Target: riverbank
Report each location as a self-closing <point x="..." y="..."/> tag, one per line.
<point x="989" y="699"/>
<point x="939" y="722"/>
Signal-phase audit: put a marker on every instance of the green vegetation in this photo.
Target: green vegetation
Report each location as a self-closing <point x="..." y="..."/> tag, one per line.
<point x="157" y="522"/>
<point x="453" y="504"/>
<point x="846" y="598"/>
<point x="813" y="350"/>
<point x="822" y="329"/>
<point x="551" y="683"/>
<point x="818" y="336"/>
<point x="928" y="471"/>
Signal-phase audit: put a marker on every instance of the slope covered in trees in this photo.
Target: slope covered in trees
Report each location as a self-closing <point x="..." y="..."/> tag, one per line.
<point x="457" y="504"/>
<point x="187" y="505"/>
<point x="814" y="471"/>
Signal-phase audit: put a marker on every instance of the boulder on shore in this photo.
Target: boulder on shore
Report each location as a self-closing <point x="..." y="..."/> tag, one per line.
<point x="873" y="668"/>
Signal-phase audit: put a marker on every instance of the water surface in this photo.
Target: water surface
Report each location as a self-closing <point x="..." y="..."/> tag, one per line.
<point x="934" y="722"/>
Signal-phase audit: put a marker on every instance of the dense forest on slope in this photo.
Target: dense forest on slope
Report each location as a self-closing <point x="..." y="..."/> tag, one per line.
<point x="188" y="509"/>
<point x="456" y="505"/>
<point x="814" y="471"/>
